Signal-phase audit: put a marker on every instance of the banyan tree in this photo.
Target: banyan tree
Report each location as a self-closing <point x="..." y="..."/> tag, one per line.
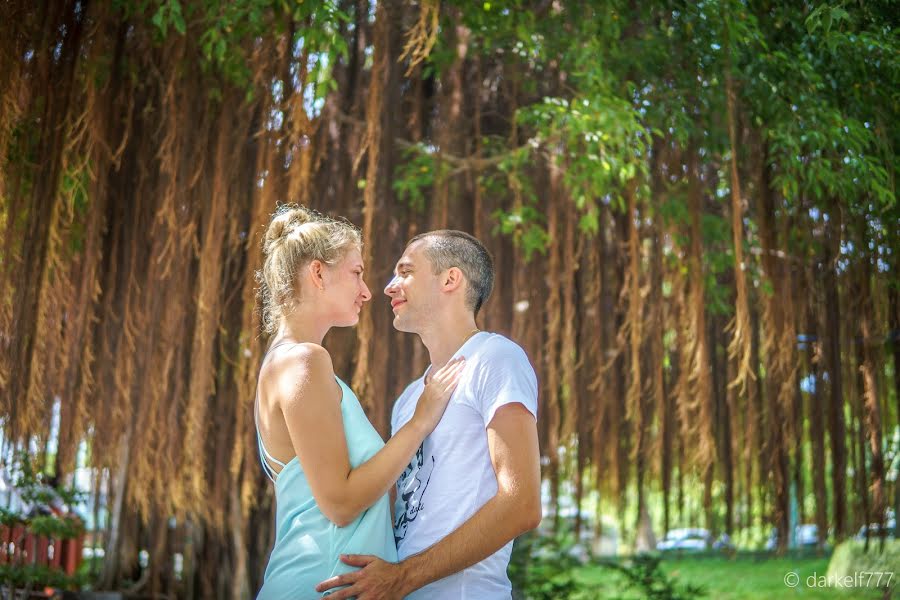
<point x="691" y="207"/>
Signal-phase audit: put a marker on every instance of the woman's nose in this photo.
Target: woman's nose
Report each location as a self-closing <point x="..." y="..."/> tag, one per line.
<point x="366" y="293"/>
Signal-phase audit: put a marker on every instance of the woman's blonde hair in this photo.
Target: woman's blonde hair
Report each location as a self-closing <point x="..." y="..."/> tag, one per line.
<point x="295" y="237"/>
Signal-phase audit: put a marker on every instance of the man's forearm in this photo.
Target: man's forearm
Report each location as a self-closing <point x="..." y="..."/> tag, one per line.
<point x="500" y="520"/>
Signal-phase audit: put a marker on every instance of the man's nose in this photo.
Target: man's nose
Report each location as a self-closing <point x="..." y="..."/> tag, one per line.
<point x="391" y="287"/>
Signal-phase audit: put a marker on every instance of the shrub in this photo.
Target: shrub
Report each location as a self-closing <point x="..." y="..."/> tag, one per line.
<point x="44" y="519"/>
<point x="643" y="574"/>
<point x="541" y="568"/>
<point x="851" y="559"/>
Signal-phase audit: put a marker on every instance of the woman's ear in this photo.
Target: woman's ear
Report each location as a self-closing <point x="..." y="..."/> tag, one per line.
<point x="316" y="272"/>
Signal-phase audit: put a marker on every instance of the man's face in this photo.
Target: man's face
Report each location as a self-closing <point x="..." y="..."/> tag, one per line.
<point x="414" y="290"/>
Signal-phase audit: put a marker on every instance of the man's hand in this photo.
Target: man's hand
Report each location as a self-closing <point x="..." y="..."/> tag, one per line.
<point x="376" y="579"/>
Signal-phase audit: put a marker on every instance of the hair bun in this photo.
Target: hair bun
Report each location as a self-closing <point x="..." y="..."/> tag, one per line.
<point x="286" y="220"/>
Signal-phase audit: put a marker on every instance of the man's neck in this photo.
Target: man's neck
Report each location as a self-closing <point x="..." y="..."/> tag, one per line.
<point x="443" y="342"/>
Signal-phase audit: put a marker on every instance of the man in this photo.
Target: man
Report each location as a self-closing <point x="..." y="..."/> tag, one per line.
<point x="474" y="484"/>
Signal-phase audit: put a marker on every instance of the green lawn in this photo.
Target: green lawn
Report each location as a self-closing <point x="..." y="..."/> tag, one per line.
<point x="739" y="578"/>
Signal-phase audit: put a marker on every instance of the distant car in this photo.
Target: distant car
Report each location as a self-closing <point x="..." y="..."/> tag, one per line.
<point x="805" y="536"/>
<point x="874" y="530"/>
<point x="686" y="540"/>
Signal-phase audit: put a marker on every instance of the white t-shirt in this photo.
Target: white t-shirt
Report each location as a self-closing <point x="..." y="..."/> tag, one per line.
<point x="451" y="475"/>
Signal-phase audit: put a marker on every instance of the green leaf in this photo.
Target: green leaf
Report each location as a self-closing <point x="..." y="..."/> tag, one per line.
<point x="178" y="23"/>
<point x="159" y="19"/>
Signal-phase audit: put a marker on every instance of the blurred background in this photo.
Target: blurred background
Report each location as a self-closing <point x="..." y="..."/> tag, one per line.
<point x="692" y="209"/>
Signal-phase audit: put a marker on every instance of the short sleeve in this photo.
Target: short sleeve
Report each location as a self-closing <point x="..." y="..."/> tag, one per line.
<point x="505" y="376"/>
<point x="394" y="419"/>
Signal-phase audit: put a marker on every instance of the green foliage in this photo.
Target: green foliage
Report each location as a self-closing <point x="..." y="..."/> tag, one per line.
<point x="169" y="13"/>
<point x="39" y="576"/>
<point x="424" y="168"/>
<point x="74" y="189"/>
<point x="742" y="577"/>
<point x="823" y="99"/>
<point x="826" y="16"/>
<point x="813" y="83"/>
<point x="597" y="138"/>
<point x="643" y="573"/>
<point x="417" y="175"/>
<point x="541" y="569"/>
<point x="55" y="527"/>
<point x="226" y="32"/>
<point x="524" y="225"/>
<point x="30" y="485"/>
<point x="9" y="518"/>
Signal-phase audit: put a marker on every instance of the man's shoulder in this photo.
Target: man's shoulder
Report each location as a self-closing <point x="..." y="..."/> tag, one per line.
<point x="497" y="345"/>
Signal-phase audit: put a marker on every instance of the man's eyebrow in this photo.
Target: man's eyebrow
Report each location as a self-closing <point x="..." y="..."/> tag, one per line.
<point x="403" y="264"/>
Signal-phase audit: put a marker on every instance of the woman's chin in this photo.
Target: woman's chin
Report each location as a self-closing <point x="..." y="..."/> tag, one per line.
<point x="350" y="321"/>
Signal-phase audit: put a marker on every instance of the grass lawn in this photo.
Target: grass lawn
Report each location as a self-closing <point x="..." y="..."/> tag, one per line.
<point x="744" y="577"/>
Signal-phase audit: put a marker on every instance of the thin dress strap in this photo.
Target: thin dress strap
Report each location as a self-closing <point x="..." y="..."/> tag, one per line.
<point x="264" y="456"/>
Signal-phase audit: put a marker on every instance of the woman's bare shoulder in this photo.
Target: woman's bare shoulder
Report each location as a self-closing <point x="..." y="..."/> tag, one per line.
<point x="296" y="368"/>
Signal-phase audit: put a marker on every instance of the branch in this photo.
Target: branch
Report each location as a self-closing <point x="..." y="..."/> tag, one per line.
<point x="460" y="163"/>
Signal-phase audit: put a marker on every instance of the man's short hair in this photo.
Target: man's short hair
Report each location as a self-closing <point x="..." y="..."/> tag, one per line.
<point x="447" y="248"/>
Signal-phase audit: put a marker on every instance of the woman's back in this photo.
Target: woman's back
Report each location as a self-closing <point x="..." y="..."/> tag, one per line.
<point x="307" y="544"/>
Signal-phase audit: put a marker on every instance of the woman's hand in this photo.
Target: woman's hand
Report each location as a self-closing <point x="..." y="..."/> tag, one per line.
<point x="436" y="396"/>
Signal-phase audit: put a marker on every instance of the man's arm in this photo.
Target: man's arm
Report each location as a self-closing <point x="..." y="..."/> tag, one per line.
<point x="515" y="509"/>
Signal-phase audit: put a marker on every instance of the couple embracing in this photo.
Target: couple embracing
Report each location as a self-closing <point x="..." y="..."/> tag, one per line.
<point x="461" y="469"/>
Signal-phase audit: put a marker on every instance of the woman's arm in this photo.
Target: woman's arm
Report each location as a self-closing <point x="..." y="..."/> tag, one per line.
<point x="309" y="398"/>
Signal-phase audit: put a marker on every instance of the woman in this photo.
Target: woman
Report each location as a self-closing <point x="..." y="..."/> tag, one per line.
<point x="331" y="469"/>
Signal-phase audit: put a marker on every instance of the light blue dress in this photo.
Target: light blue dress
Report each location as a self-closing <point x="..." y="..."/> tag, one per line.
<point x="308" y="545"/>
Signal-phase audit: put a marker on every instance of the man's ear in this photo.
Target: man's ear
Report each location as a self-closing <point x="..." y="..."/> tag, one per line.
<point x="452" y="279"/>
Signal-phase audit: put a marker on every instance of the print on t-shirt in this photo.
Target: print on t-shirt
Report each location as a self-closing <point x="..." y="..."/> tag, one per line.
<point x="410" y="489"/>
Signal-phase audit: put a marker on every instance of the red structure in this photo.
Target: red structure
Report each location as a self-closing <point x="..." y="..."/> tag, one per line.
<point x="20" y="546"/>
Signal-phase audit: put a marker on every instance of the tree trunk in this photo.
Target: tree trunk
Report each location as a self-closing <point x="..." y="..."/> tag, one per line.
<point x="757" y="452"/>
<point x="868" y="354"/>
<point x="836" y="425"/>
<point x="553" y="333"/>
<point x="800" y="464"/>
<point x="776" y="372"/>
<point x="861" y="476"/>
<point x="719" y="383"/>
<point x="122" y="543"/>
<point x="728" y="466"/>
<point x="894" y="337"/>
<point x="816" y="418"/>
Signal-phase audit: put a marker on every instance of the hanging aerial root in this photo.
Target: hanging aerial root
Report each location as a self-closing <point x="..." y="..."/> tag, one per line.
<point x="421" y="37"/>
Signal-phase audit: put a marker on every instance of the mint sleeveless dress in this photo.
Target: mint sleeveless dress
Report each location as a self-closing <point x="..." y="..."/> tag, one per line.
<point x="308" y="545"/>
